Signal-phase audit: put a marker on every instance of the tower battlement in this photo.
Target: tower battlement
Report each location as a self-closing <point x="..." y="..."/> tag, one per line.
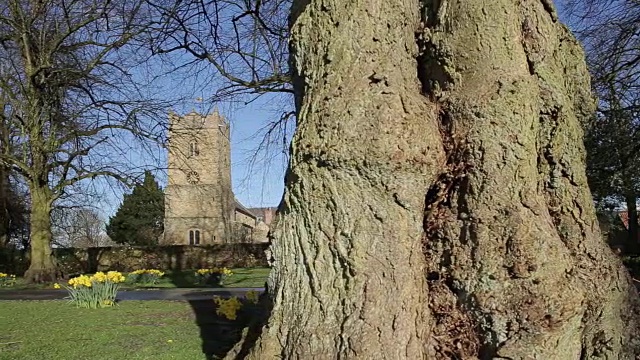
<point x="195" y="120"/>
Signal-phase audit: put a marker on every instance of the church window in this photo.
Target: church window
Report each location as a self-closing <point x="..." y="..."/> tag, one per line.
<point x="194" y="237"/>
<point x="194" y="150"/>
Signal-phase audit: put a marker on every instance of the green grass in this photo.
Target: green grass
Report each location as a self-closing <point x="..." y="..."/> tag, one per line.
<point x="241" y="278"/>
<point x="55" y="330"/>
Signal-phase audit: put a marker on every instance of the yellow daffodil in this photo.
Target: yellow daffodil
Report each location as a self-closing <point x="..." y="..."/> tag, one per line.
<point x="215" y="270"/>
<point x="82" y="280"/>
<point x="99" y="277"/>
<point x="252" y="296"/>
<point x="228" y="308"/>
<point x="115" y="277"/>
<point x="56" y="286"/>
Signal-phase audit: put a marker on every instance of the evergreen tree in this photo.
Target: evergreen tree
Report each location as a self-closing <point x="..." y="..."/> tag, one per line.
<point x="140" y="218"/>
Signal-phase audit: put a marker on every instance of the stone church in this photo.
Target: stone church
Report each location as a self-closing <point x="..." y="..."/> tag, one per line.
<point x="200" y="207"/>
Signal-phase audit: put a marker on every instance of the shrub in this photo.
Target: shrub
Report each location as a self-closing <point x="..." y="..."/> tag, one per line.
<point x="97" y="291"/>
<point x="7" y="280"/>
<point x="214" y="276"/>
<point x="145" y="276"/>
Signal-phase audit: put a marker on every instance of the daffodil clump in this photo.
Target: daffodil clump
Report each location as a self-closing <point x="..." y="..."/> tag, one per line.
<point x="252" y="297"/>
<point x="227" y="307"/>
<point x="96" y="291"/>
<point x="145" y="276"/>
<point x="7" y="280"/>
<point x="213" y="276"/>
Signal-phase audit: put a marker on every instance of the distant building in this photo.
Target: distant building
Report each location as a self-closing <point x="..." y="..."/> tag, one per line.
<point x="265" y="214"/>
<point x="200" y="207"/>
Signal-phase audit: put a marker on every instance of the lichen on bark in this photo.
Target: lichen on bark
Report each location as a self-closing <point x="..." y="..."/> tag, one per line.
<point x="518" y="244"/>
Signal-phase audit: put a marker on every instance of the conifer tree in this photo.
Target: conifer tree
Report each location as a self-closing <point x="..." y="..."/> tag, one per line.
<point x="140" y="218"/>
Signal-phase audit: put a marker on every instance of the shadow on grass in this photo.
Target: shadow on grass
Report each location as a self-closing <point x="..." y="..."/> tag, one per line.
<point x="218" y="334"/>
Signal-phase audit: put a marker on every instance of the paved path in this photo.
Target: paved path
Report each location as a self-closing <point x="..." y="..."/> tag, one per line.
<point x="182" y="294"/>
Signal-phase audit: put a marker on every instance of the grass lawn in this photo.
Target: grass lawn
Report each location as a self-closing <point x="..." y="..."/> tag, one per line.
<point x="156" y="330"/>
<point x="241" y="278"/>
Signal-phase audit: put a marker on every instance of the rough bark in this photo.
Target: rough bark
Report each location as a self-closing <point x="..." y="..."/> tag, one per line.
<point x="515" y="241"/>
<point x="348" y="243"/>
<point x="474" y="145"/>
<point x="42" y="267"/>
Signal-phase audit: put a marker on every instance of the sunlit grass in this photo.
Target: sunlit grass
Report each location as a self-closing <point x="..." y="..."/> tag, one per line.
<point x="132" y="330"/>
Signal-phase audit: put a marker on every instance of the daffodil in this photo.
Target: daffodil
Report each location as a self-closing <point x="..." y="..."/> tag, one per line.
<point x="56" y="286"/>
<point x="99" y="277"/>
<point x="115" y="277"/>
<point x="82" y="280"/>
<point x="228" y="308"/>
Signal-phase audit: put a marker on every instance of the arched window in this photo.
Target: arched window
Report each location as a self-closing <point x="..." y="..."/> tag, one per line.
<point x="193" y="149"/>
<point x="194" y="237"/>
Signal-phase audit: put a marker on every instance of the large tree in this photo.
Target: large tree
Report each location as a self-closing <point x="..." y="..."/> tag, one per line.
<point x="69" y="81"/>
<point x="436" y="203"/>
<point x="140" y="218"/>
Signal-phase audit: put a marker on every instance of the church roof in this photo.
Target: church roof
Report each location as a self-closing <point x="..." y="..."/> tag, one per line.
<point x="242" y="208"/>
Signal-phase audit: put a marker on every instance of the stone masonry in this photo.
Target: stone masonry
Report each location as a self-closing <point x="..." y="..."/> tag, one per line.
<point x="200" y="207"/>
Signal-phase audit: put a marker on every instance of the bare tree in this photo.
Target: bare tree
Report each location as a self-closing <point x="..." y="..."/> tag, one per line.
<point x="242" y="46"/>
<point x="79" y="228"/>
<point x="70" y="72"/>
<point x="244" y="40"/>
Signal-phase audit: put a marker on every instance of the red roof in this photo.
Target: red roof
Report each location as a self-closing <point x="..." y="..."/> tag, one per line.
<point x="624" y="216"/>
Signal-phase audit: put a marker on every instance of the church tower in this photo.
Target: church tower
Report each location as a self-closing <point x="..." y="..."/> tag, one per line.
<point x="198" y="197"/>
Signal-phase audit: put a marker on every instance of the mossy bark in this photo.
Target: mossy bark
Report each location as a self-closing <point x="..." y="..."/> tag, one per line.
<point x="453" y="126"/>
<point x="517" y="241"/>
<point x="42" y="267"/>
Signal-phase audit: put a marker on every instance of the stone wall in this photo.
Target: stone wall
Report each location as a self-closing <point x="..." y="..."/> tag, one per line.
<point x="173" y="257"/>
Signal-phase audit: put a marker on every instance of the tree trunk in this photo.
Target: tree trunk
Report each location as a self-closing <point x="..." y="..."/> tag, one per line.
<point x="517" y="244"/>
<point x="348" y="243"/>
<point x="483" y="123"/>
<point x="5" y="220"/>
<point x="632" y="218"/>
<point x="43" y="266"/>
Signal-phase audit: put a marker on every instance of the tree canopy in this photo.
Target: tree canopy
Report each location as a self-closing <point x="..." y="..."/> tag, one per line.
<point x="140" y="218"/>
